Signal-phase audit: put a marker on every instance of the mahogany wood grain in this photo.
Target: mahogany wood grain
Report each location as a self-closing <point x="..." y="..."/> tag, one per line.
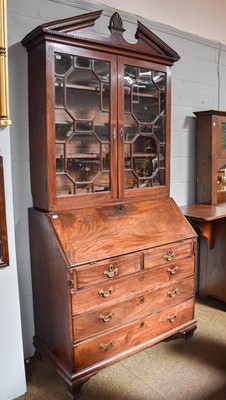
<point x="111" y="231"/>
<point x="85" y="300"/>
<point x="51" y="295"/>
<point x="119" y="340"/>
<point x="130" y="310"/>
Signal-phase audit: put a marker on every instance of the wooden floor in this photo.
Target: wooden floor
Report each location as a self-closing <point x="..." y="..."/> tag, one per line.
<point x="175" y="369"/>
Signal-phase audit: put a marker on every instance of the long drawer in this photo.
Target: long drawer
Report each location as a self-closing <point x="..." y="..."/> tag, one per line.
<point x="112" y="343"/>
<point x="85" y="300"/>
<point x="128" y="311"/>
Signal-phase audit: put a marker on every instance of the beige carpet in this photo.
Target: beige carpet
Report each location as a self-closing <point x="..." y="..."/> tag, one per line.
<point x="175" y="369"/>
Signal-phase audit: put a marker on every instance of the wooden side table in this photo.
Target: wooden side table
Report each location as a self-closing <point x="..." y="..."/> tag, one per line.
<point x="210" y="224"/>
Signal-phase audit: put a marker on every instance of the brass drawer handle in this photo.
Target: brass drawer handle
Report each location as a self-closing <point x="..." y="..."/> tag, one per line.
<point x="106" y="318"/>
<point x="111" y="272"/>
<point x="173" y="271"/>
<point x="173" y="318"/>
<point x="169" y="255"/>
<point x="106" y="346"/>
<point x="106" y="293"/>
<point x="172" y="293"/>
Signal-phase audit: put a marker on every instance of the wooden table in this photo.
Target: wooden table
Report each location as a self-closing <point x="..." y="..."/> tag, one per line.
<point x="209" y="221"/>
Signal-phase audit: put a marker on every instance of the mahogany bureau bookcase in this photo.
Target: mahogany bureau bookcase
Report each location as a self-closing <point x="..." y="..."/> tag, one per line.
<point x="113" y="257"/>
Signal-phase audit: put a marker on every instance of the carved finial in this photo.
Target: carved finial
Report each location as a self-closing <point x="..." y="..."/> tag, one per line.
<point x="116" y="23"/>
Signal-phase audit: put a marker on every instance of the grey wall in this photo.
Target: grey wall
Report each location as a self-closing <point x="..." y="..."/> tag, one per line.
<point x="195" y="86"/>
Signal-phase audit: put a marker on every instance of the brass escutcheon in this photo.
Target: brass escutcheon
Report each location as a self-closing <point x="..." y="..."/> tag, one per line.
<point x="106" y="293"/>
<point x="106" y="318"/>
<point x="106" y="346"/>
<point x="169" y="255"/>
<point x="111" y="272"/>
<point x="141" y="278"/>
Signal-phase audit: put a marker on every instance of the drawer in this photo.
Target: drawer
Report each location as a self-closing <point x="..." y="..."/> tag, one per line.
<point x="108" y="269"/>
<point x="131" y="310"/>
<point x="167" y="253"/>
<point x="128" y="337"/>
<point x="88" y="299"/>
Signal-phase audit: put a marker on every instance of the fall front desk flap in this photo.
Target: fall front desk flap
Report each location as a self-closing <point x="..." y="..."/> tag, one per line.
<point x="92" y="234"/>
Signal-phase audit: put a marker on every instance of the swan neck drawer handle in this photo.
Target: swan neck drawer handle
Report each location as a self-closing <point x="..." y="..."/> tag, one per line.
<point x="169" y="256"/>
<point x="111" y="272"/>
<point x="173" y="271"/>
<point x="172" y="293"/>
<point x="106" y="318"/>
<point x="172" y="318"/>
<point x="106" y="293"/>
<point x="106" y="346"/>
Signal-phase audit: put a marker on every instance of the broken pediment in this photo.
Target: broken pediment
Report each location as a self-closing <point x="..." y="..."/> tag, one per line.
<point x="81" y="28"/>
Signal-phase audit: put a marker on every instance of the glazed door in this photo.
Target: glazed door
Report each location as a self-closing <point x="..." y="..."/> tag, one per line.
<point x="85" y="128"/>
<point x="144" y="128"/>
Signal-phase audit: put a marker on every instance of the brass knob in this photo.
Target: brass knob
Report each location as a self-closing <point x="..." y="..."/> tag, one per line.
<point x="106" y="293"/>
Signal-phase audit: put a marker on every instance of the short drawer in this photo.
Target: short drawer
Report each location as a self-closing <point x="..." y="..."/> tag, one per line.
<point x="108" y="269"/>
<point x="128" y="337"/>
<point x="91" y="298"/>
<point x="168" y="253"/>
<point x="131" y="310"/>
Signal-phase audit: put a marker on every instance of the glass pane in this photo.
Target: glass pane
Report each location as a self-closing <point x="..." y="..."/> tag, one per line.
<point x="159" y="129"/>
<point x="63" y="125"/>
<point x="162" y="102"/>
<point x="84" y="126"/>
<point x="82" y="62"/>
<point x="144" y="145"/>
<point x="64" y="186"/>
<point x="130" y="180"/>
<point x="106" y="97"/>
<point x="130" y="127"/>
<point x="63" y="63"/>
<point x="223" y="135"/>
<point x="145" y="73"/>
<point x="101" y="126"/>
<point x="83" y="157"/>
<point x="105" y="157"/>
<point x="101" y="68"/>
<point x="127" y="99"/>
<point x="145" y="129"/>
<point x="85" y="144"/>
<point x="102" y="182"/>
<point x="59" y="157"/>
<point x="59" y="92"/>
<point x="143" y="166"/>
<point x="160" y="80"/>
<point x="145" y="101"/>
<point x="82" y="94"/>
<point x="82" y="169"/>
<point x="130" y="74"/>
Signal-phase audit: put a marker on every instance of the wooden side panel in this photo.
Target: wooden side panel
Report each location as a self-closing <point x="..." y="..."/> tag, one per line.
<point x="50" y="289"/>
<point x="37" y="126"/>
